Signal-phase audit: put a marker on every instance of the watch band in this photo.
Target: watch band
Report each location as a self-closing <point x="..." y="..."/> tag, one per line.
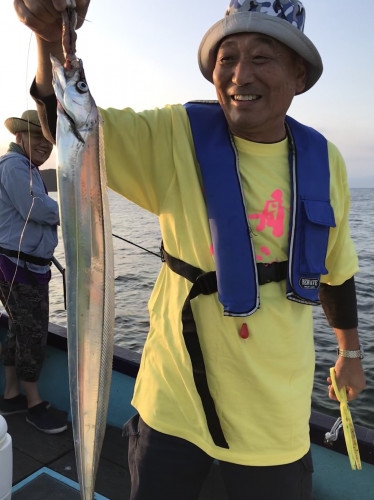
<point x="350" y="354"/>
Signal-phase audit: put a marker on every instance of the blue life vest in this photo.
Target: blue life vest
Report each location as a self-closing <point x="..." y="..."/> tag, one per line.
<point x="310" y="219"/>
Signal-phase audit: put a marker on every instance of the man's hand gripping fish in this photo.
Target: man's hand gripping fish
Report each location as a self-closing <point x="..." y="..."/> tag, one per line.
<point x="87" y="239"/>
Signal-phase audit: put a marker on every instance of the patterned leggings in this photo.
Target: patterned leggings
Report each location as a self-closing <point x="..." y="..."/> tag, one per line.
<point x="27" y="306"/>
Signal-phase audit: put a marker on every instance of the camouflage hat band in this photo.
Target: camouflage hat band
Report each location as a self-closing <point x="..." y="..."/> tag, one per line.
<point x="281" y="20"/>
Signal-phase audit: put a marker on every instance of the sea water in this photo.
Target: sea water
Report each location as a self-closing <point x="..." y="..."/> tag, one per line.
<point x="137" y="270"/>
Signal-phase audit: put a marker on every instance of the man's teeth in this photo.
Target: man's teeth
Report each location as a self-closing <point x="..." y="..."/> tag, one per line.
<point x="248" y="97"/>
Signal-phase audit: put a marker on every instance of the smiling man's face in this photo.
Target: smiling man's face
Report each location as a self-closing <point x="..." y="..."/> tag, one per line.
<point x="256" y="78"/>
<point x="36" y="147"/>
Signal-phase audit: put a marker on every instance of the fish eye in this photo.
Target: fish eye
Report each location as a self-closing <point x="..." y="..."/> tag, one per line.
<point x="82" y="87"/>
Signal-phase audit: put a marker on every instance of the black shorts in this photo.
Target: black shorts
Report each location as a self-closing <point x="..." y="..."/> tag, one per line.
<point x="166" y="467"/>
<point x="27" y="306"/>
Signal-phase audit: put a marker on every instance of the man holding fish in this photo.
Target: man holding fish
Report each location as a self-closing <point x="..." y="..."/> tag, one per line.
<point x="221" y="377"/>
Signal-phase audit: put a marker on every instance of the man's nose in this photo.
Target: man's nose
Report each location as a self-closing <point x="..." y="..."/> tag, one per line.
<point x="243" y="73"/>
<point x="44" y="142"/>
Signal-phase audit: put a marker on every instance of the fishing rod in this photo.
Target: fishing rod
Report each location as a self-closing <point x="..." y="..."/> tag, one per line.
<point x="135" y="245"/>
<point x="62" y="269"/>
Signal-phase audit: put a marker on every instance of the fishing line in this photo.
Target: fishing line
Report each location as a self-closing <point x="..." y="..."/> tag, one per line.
<point x="27" y="107"/>
<point x="135" y="245"/>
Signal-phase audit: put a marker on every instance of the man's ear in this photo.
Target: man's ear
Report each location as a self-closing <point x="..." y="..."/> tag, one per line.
<point x="301" y="75"/>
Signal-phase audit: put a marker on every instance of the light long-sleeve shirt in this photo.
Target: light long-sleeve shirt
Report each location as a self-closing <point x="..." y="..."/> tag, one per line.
<point x="28" y="216"/>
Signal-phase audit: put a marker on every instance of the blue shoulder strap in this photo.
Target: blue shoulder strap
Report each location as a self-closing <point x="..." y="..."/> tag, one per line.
<point x="311" y="212"/>
<point x="233" y="251"/>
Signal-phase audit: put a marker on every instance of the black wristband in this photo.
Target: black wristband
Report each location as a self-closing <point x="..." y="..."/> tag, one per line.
<point x="340" y="304"/>
<point x="47" y="111"/>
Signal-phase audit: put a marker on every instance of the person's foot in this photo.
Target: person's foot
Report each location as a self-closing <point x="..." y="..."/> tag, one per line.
<point x="11" y="406"/>
<point x="46" y="419"/>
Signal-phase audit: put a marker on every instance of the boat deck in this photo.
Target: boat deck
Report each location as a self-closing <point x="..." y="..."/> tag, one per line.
<point x="50" y="459"/>
<point x="33" y="451"/>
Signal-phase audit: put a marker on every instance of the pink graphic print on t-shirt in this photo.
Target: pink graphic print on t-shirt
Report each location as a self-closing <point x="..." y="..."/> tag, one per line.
<point x="272" y="216"/>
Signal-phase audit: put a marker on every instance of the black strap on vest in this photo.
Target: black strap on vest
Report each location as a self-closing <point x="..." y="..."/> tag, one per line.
<point x="276" y="271"/>
<point x="39" y="261"/>
<point x="206" y="283"/>
<point x="203" y="283"/>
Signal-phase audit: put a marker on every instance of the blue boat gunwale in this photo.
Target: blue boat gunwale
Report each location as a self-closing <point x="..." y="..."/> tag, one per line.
<point x="46" y="471"/>
<point x="126" y="362"/>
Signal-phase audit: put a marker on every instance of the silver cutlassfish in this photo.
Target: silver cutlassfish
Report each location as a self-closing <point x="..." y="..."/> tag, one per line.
<point x="87" y="237"/>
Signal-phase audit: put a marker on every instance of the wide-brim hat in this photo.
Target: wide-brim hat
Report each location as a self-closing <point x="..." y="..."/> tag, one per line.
<point x="29" y="122"/>
<point x="282" y="20"/>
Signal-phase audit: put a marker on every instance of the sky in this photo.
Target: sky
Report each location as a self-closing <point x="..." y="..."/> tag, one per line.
<point x="144" y="55"/>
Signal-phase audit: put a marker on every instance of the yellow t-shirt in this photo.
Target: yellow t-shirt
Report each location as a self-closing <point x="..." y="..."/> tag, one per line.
<point x="261" y="386"/>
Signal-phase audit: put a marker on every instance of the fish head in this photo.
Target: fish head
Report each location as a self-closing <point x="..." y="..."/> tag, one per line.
<point x="73" y="94"/>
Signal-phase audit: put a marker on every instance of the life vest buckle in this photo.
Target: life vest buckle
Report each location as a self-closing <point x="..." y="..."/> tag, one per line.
<point x="275" y="271"/>
<point x="206" y="283"/>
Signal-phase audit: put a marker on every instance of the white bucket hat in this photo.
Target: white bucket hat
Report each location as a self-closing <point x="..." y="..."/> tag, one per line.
<point x="280" y="19"/>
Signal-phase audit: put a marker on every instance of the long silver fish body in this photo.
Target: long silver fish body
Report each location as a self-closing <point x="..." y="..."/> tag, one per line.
<point x="87" y="236"/>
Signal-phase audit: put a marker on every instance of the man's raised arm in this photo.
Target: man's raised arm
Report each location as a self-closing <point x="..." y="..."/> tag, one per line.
<point x="43" y="17"/>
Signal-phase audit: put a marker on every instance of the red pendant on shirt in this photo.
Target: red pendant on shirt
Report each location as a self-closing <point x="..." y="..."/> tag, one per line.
<point x="244" y="332"/>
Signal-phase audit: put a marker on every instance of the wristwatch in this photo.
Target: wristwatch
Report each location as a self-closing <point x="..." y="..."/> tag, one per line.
<point x="350" y="354"/>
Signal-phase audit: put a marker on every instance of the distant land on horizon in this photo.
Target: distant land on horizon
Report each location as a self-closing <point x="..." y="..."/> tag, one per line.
<point x="49" y="177"/>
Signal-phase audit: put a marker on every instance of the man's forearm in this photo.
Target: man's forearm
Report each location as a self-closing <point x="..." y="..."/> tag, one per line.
<point x="42" y="89"/>
<point x="340" y="305"/>
<point x="348" y="371"/>
<point x="43" y="79"/>
<point x="348" y="340"/>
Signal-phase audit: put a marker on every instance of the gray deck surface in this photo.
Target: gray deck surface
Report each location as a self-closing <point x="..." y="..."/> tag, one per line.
<point x="33" y="450"/>
<point x="45" y="486"/>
